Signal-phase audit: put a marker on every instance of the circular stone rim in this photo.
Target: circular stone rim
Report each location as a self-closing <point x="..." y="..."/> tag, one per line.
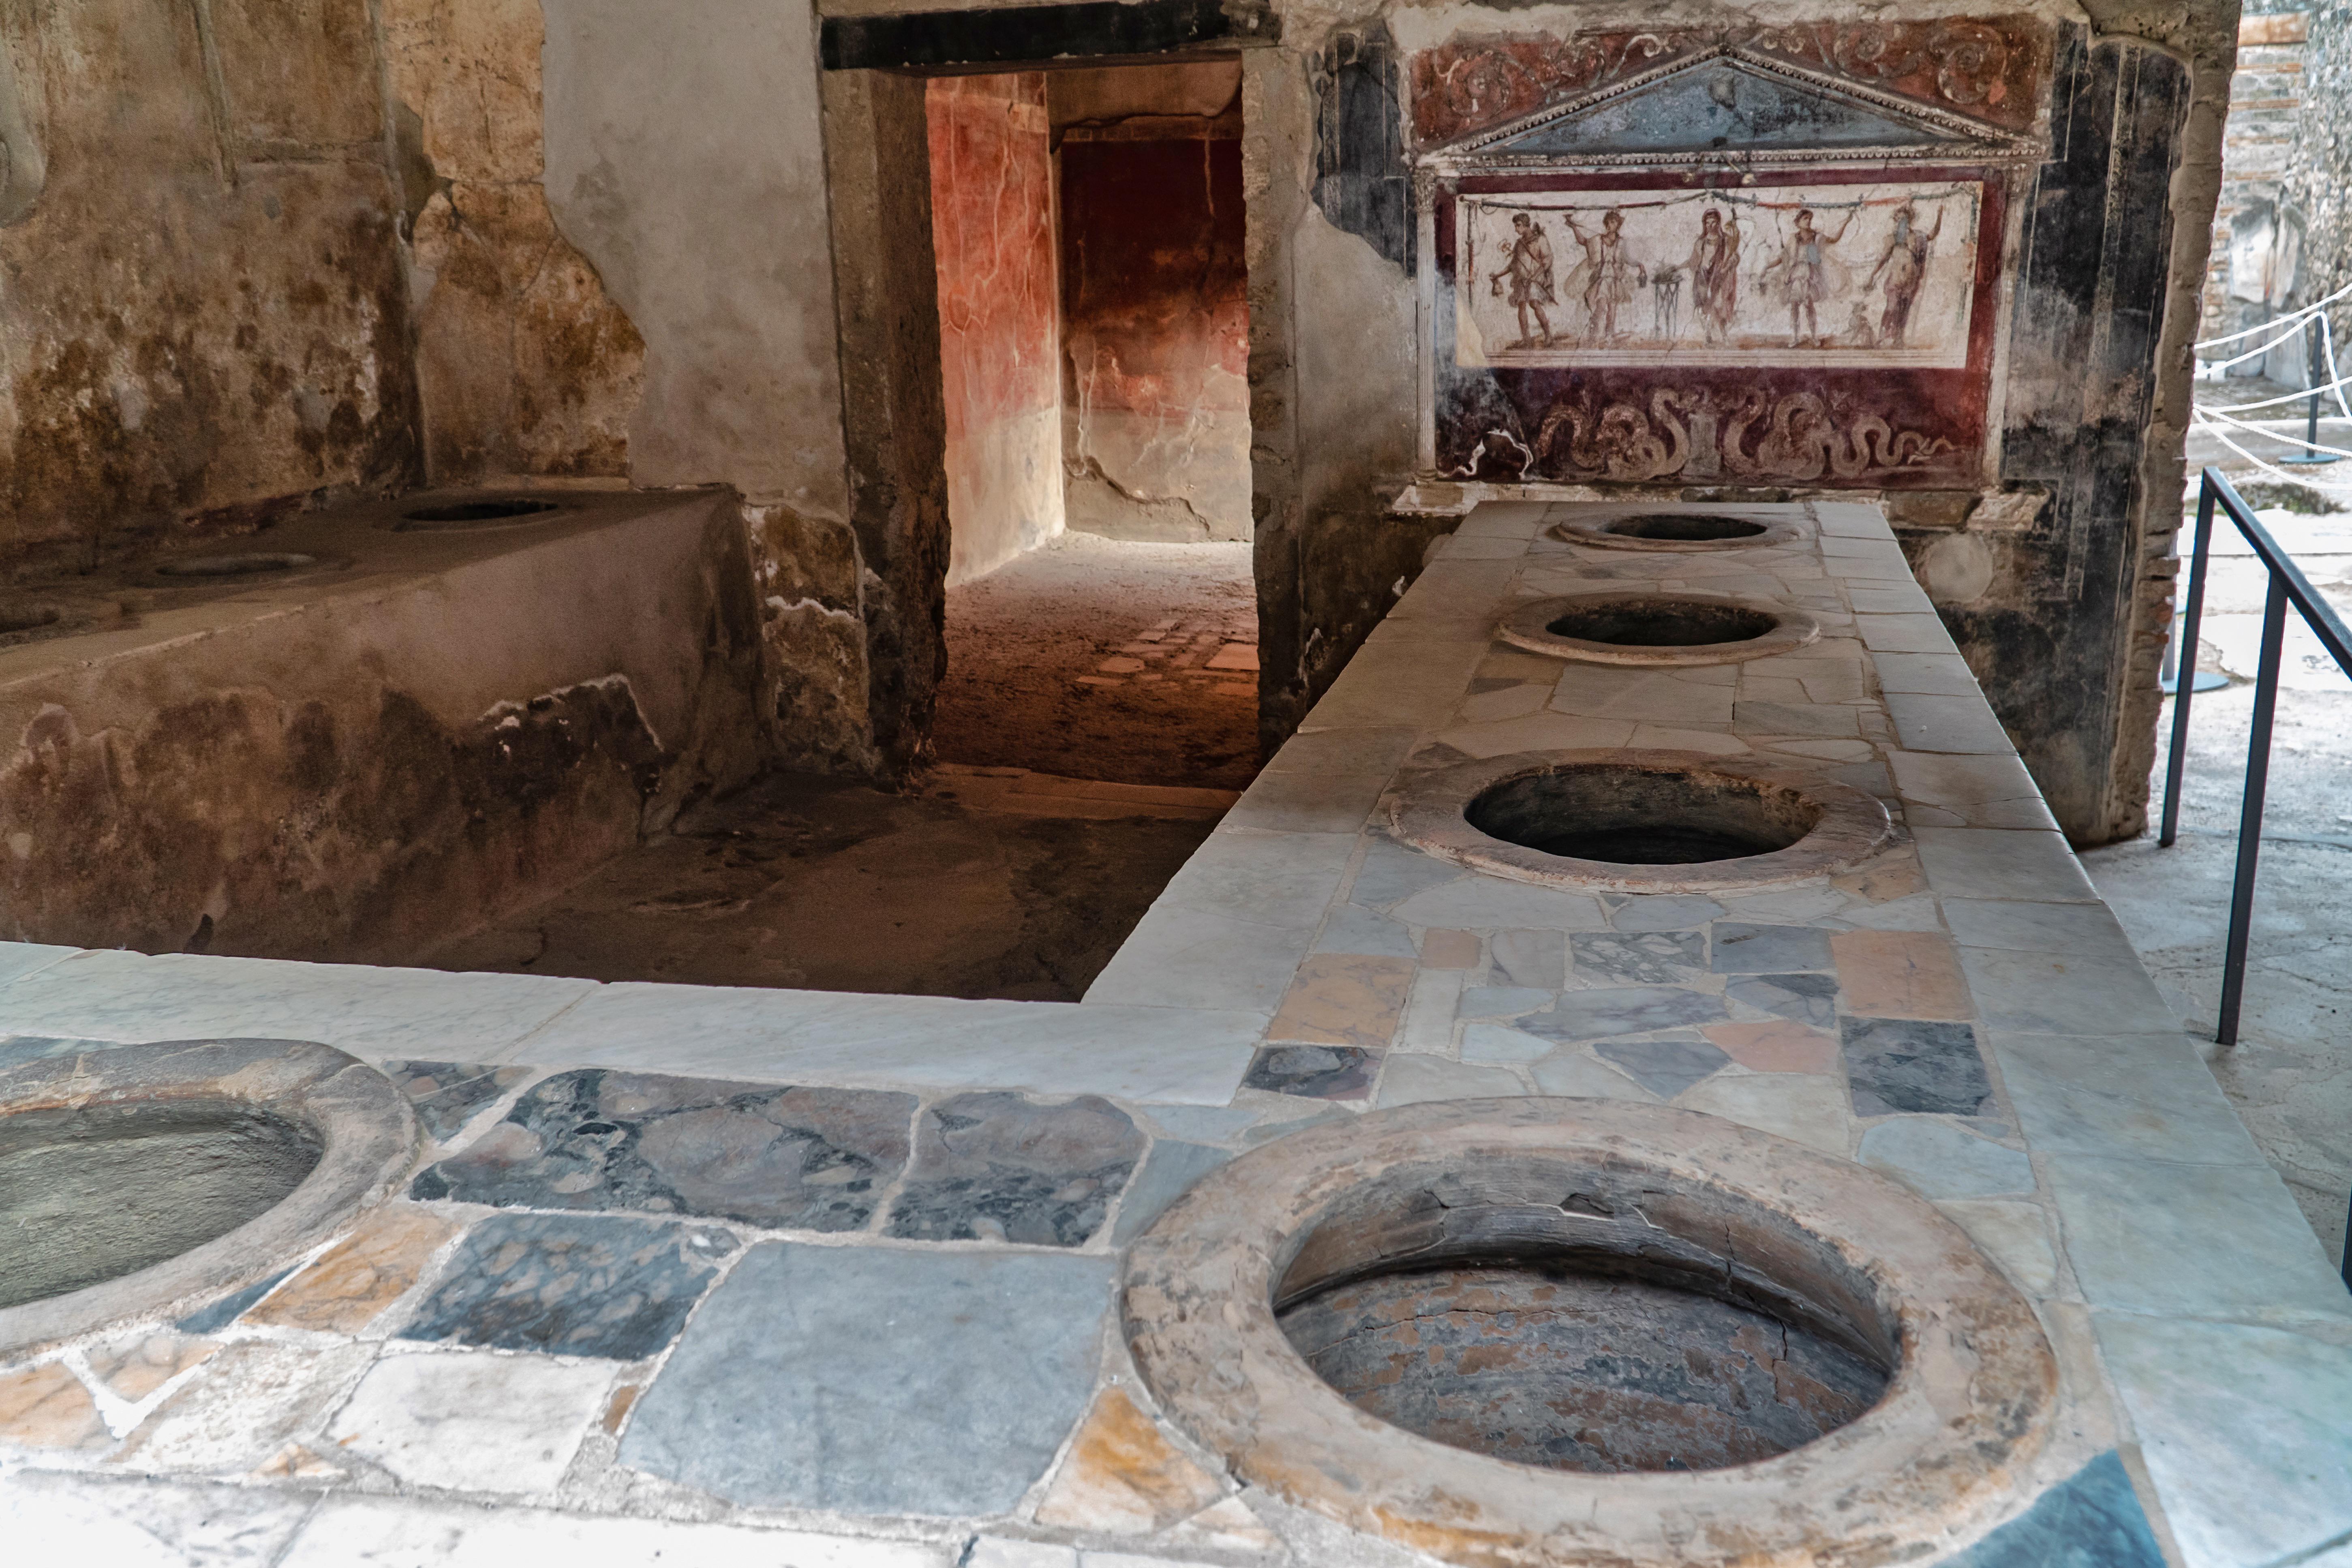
<point x="1527" y="628"/>
<point x="236" y="565"/>
<point x="551" y="509"/>
<point x="1428" y="813"/>
<point x="1969" y="1404"/>
<point x="367" y="1134"/>
<point x="1591" y="529"/>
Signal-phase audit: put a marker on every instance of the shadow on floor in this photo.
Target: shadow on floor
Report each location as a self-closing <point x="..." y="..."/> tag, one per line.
<point x="979" y="884"/>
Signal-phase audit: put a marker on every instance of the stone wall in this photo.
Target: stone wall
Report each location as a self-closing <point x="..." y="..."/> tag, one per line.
<point x="2317" y="183"/>
<point x="992" y="233"/>
<point x="525" y="364"/>
<point x="203" y="322"/>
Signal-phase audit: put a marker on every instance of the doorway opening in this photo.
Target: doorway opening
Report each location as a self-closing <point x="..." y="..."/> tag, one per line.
<point x="1094" y="344"/>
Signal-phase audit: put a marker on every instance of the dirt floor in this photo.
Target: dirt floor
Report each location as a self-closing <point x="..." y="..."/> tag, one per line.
<point x="1099" y="658"/>
<point x="1089" y="660"/>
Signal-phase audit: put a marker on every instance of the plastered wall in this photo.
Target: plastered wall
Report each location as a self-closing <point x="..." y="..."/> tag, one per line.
<point x="993" y="238"/>
<point x="1155" y="301"/>
<point x="203" y="317"/>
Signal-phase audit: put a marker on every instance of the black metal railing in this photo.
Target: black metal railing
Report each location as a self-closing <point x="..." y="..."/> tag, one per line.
<point x="2288" y="585"/>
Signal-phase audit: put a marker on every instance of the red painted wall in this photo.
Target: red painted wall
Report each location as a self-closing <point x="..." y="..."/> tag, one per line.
<point x="1156" y="320"/>
<point x="993" y="230"/>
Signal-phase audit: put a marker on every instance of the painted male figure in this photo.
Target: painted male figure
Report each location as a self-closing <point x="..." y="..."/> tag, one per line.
<point x="1528" y="264"/>
<point x="1606" y="276"/>
<point x="1714" y="268"/>
<point x="1808" y="275"/>
<point x="1905" y="264"/>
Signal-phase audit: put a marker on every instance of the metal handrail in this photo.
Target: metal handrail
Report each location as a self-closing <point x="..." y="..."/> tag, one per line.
<point x="2288" y="585"/>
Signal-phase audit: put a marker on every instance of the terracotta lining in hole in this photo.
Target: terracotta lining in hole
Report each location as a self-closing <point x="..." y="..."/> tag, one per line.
<point x="1528" y="627"/>
<point x="1426" y="813"/>
<point x="1944" y="1456"/>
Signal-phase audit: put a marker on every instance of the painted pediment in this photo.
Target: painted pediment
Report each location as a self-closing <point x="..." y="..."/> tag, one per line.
<point x="1728" y="104"/>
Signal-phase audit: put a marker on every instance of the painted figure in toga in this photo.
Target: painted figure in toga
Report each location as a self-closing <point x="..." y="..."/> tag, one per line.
<point x="1714" y="270"/>
<point x="1528" y="264"/>
<point x="1903" y="264"/>
<point x="1804" y="274"/>
<point x="1604" y="279"/>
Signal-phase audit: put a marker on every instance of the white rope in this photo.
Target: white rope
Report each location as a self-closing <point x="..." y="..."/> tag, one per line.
<point x="2315" y="306"/>
<point x="2271" y="470"/>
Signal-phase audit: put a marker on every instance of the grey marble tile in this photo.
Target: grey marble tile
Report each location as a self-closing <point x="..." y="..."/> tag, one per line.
<point x="1903" y="634"/>
<point x="1807" y="998"/>
<point x="1168" y="1172"/>
<point x="1530" y="958"/>
<point x="1640" y="958"/>
<point x="1390" y="874"/>
<point x="1744" y="949"/>
<point x="1948" y="724"/>
<point x="1934" y="674"/>
<point x="2220" y="1241"/>
<point x="2091" y="1519"/>
<point x="2002" y="863"/>
<point x="1308" y="801"/>
<point x="1166" y="1054"/>
<point x="1318" y="1073"/>
<point x="869" y="1380"/>
<point x="1374" y="751"/>
<point x="1989" y="790"/>
<point x="612" y="1286"/>
<point x="2243" y="1430"/>
<point x="1661" y="912"/>
<point x="803" y="1159"/>
<point x="1572" y="1071"/>
<point x="1409" y="1079"/>
<point x="121" y="1523"/>
<point x="998" y="1167"/>
<point x="1497" y="1043"/>
<point x="1902" y="1065"/>
<point x="1490" y="903"/>
<point x="447" y="1095"/>
<point x="1941" y="1161"/>
<point x="1351" y="928"/>
<point x="1665" y="1065"/>
<point x="217" y="1315"/>
<point x="2065" y="993"/>
<point x="18" y="959"/>
<point x="1502" y="1001"/>
<point x="2024" y="927"/>
<point x="370" y="1011"/>
<point x="1787" y="719"/>
<point x="1623" y="1010"/>
<point x="1205" y="1123"/>
<point x="2144" y="1096"/>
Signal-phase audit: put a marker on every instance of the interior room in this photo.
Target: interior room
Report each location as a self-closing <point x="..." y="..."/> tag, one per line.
<point x="1131" y="785"/>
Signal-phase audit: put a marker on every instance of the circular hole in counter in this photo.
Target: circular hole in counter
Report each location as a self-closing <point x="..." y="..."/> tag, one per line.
<point x="1673" y="530"/>
<point x="1639" y="821"/>
<point x="1657" y="629"/>
<point x="476" y="513"/>
<point x="245" y="565"/>
<point x="1684" y="526"/>
<point x="1547" y="1340"/>
<point x="1640" y="817"/>
<point x="102" y="1191"/>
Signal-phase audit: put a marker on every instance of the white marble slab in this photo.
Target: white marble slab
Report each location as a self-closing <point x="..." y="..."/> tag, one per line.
<point x="839" y="1038"/>
<point x="370" y="1012"/>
